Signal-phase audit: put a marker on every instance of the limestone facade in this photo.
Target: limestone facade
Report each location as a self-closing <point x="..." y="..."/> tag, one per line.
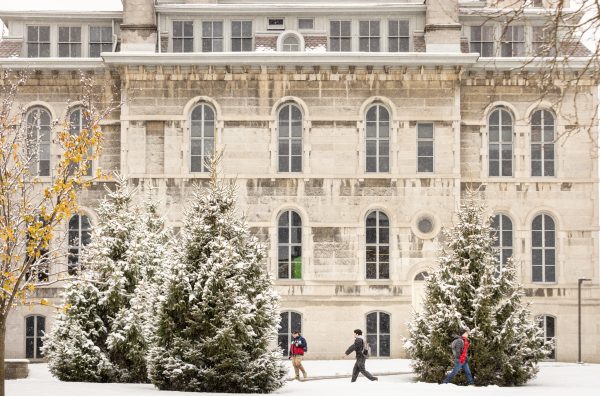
<point x="332" y="287"/>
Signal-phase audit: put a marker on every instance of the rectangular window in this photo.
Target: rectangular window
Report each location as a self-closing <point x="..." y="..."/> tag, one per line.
<point x="306" y="23"/>
<point x="69" y="41"/>
<point x="241" y="36"/>
<point x="425" y="147"/>
<point x="100" y="40"/>
<point x="183" y="36"/>
<point x="541" y="42"/>
<point x="369" y="36"/>
<point x="482" y="40"/>
<point x="340" y="36"/>
<point x="275" y="24"/>
<point x="212" y="36"/>
<point x="38" y="41"/>
<point x="398" y="36"/>
<point x="513" y="41"/>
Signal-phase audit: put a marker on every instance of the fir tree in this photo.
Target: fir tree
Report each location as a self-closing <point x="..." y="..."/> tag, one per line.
<point x="102" y="333"/>
<point x="217" y="326"/>
<point x="470" y="289"/>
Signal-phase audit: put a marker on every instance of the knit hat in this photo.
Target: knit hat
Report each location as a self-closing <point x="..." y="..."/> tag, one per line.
<point x="464" y="330"/>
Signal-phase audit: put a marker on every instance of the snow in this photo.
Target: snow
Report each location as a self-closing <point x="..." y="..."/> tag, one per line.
<point x="554" y="379"/>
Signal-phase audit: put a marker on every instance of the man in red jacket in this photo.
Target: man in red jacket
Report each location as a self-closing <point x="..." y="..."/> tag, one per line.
<point x="297" y="349"/>
<point x="460" y="346"/>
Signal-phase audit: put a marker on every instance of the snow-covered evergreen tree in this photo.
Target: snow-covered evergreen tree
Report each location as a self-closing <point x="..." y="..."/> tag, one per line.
<point x="470" y="289"/>
<point x="102" y="333"/>
<point x="217" y="326"/>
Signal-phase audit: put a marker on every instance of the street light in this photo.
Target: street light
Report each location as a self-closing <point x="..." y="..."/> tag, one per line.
<point x="579" y="282"/>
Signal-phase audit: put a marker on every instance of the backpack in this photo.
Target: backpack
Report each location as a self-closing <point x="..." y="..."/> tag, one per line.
<point x="367" y="350"/>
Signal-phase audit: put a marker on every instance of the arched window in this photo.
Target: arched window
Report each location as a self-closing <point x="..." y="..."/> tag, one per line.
<point x="80" y="235"/>
<point x="290" y="138"/>
<point x="542" y="143"/>
<point x="503" y="232"/>
<point x="35" y="326"/>
<point x="421" y="276"/>
<point x="290" y="43"/>
<point x="377" y="135"/>
<point x="38" y="264"/>
<point x="78" y="121"/>
<point x="543" y="249"/>
<point x="500" y="143"/>
<point x="548" y="325"/>
<point x="378" y="246"/>
<point x="378" y="333"/>
<point x="38" y="133"/>
<point x="289" y="245"/>
<point x="289" y="321"/>
<point x="202" y="135"/>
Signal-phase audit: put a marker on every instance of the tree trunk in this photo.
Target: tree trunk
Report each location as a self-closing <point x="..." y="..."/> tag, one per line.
<point x="2" y="341"/>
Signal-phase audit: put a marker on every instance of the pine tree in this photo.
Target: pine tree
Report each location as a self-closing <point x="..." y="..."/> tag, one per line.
<point x="102" y="333"/>
<point x="470" y="289"/>
<point x="217" y="325"/>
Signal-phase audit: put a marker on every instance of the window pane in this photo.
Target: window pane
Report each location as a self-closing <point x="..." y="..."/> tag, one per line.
<point x="371" y="270"/>
<point x="384" y="270"/>
<point x="372" y="323"/>
<point x="29" y="348"/>
<point x="550" y="273"/>
<point x="41" y="325"/>
<point x="372" y="341"/>
<point x="29" y="326"/>
<point x="425" y="165"/>
<point x="296" y="322"/>
<point x="384" y="345"/>
<point x="384" y="323"/>
<point x="283" y="235"/>
<point x="536" y="273"/>
<point x="371" y="235"/>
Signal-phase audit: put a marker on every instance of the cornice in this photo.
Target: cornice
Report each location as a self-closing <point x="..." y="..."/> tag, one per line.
<point x="292" y="59"/>
<point x="60" y="15"/>
<point x="285" y="9"/>
<point x="51" y="63"/>
<point x="533" y="64"/>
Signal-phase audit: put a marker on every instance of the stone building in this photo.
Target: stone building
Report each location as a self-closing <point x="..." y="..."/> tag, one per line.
<point x="352" y="129"/>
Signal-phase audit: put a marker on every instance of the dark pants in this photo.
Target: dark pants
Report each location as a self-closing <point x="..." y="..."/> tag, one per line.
<point x="457" y="366"/>
<point x="359" y="367"/>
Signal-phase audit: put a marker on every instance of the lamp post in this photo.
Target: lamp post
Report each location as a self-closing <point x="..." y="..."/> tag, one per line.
<point x="579" y="282"/>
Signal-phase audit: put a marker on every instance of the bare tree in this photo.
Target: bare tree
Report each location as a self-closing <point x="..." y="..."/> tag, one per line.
<point x="564" y="63"/>
<point x="32" y="207"/>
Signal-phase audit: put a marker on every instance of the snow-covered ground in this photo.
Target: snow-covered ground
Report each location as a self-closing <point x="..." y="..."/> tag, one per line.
<point x="554" y="379"/>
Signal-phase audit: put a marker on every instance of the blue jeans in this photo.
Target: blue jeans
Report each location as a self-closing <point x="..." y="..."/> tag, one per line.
<point x="457" y="367"/>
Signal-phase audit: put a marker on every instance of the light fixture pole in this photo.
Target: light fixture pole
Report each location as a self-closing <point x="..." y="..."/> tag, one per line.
<point x="579" y="282"/>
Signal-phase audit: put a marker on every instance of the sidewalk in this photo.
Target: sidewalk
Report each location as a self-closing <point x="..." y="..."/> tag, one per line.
<point x="337" y="376"/>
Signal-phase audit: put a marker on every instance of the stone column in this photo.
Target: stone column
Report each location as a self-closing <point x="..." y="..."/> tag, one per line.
<point x="442" y="27"/>
<point x="138" y="31"/>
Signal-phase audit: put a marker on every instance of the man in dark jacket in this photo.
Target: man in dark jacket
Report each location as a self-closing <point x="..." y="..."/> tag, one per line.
<point x="460" y="346"/>
<point x="297" y="349"/>
<point x="359" y="347"/>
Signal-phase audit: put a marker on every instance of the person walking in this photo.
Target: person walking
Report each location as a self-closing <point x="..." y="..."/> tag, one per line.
<point x="359" y="349"/>
<point x="460" y="347"/>
<point x="298" y="348"/>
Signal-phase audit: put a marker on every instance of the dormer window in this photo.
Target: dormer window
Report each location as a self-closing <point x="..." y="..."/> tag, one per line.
<point x="290" y="42"/>
<point x="306" y="23"/>
<point x="275" y="24"/>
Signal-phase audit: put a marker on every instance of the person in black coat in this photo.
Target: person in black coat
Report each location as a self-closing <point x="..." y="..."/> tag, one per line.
<point x="359" y="347"/>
